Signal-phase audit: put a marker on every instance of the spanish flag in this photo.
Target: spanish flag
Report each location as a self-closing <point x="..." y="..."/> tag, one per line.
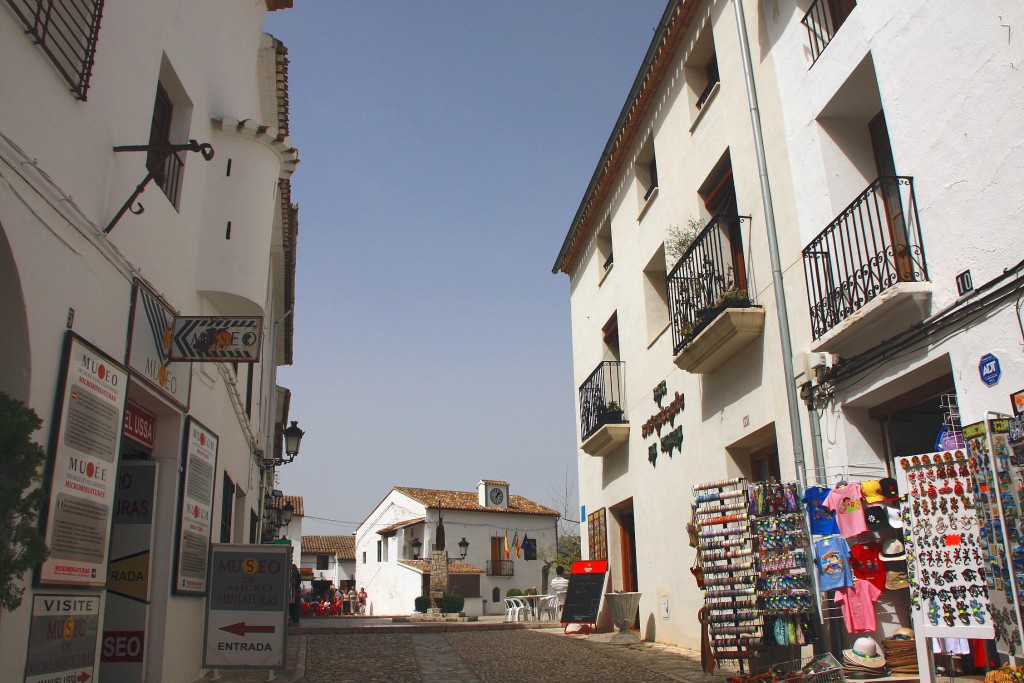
<point x="507" y="556"/>
<point x="515" y="543"/>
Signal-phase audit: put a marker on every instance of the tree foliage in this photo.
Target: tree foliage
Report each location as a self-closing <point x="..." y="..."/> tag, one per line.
<point x="21" y="499"/>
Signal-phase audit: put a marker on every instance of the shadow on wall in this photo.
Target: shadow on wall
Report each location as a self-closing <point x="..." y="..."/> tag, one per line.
<point x="739" y="376"/>
<point x="650" y="631"/>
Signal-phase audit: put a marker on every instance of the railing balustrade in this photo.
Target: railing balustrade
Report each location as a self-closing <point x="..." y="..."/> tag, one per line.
<point x="703" y="282"/>
<point x="501" y="568"/>
<point x="822" y="21"/>
<point x="602" y="398"/>
<point x="872" y="245"/>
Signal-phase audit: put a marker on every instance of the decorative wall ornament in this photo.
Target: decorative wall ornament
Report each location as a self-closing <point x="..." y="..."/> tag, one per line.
<point x="672" y="441"/>
<point x="660" y="392"/>
<point x="665" y="415"/>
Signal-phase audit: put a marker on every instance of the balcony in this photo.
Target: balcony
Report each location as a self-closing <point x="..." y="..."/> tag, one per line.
<point x="822" y="21"/>
<point x="712" y="313"/>
<point x="501" y="568"/>
<point x="869" y="263"/>
<point x="603" y="422"/>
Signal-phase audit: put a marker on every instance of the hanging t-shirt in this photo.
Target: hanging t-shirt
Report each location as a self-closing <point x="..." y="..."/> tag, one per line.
<point x="823" y="520"/>
<point x="866" y="565"/>
<point x="858" y="605"/>
<point x="832" y="558"/>
<point x="846" y="502"/>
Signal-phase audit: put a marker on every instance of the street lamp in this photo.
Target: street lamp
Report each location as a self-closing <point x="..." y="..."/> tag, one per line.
<point x="292" y="438"/>
<point x="463" y="547"/>
<point x="416" y="545"/>
<point x="287" y="512"/>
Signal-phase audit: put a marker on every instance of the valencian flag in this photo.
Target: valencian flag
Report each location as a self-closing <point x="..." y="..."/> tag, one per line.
<point x="506" y="545"/>
<point x="515" y="543"/>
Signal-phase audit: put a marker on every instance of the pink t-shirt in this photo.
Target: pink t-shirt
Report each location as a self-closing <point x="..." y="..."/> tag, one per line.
<point x="847" y="503"/>
<point x="858" y="604"/>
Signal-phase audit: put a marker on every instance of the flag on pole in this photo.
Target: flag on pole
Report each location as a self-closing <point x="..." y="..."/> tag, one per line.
<point x="515" y="543"/>
<point x="506" y="545"/>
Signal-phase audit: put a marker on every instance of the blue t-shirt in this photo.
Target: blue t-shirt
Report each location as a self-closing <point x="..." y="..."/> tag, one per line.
<point x="832" y="558"/>
<point x="823" y="520"/>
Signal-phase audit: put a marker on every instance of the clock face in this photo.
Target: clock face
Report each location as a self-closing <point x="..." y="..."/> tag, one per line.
<point x="497" y="496"/>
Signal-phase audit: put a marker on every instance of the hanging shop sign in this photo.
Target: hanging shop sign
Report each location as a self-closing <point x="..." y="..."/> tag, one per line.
<point x="85" y="447"/>
<point x="246" y="615"/>
<point x="989" y="370"/>
<point x="139" y="425"/>
<point x="149" y="346"/>
<point x="195" y="511"/>
<point x="62" y="639"/>
<point x="209" y="338"/>
<point x="125" y="617"/>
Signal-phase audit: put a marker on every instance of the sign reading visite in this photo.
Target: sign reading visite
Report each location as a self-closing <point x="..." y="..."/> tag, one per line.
<point x="84" y="464"/>
<point x="246" y="614"/>
<point x="195" y="508"/>
<point x="62" y="639"/>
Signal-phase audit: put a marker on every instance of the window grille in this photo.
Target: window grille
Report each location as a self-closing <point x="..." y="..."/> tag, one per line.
<point x="66" y="30"/>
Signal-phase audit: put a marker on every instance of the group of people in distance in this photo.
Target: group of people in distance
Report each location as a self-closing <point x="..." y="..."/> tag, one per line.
<point x="333" y="602"/>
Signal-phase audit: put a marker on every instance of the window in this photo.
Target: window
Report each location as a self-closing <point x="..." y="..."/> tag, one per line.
<point x="254" y="523"/>
<point x="66" y="32"/>
<point x="364" y="557"/>
<point x="719" y="196"/>
<point x="656" y="295"/>
<point x="646" y="169"/>
<point x="822" y="21"/>
<point x="322" y="562"/>
<point x="380" y="551"/>
<point x="610" y="337"/>
<point x="529" y="547"/>
<point x="701" y="68"/>
<point x="604" y="247"/>
<point x="227" y="502"/>
<point x="167" y="167"/>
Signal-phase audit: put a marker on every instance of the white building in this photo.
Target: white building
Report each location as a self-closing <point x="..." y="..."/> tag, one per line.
<point x="708" y="383"/>
<point x="394" y="543"/>
<point x="331" y="559"/>
<point x="81" y="276"/>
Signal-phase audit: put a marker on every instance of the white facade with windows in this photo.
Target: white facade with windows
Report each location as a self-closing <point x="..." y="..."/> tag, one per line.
<point x="394" y="543"/>
<point x="216" y="238"/>
<point x="695" y="366"/>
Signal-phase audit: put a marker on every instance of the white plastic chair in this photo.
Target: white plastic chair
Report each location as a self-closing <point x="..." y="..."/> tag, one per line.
<point x="525" y="612"/>
<point x="513" y="610"/>
<point x="549" y="606"/>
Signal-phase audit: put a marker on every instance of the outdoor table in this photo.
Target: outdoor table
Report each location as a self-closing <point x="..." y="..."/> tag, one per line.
<point x="534" y="602"/>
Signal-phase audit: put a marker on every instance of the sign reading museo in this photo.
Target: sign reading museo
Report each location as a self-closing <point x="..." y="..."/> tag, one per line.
<point x="85" y="449"/>
<point x="246" y="613"/>
<point x="196" y="508"/>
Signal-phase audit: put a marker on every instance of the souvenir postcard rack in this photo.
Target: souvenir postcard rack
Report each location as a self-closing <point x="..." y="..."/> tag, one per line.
<point x="730" y="572"/>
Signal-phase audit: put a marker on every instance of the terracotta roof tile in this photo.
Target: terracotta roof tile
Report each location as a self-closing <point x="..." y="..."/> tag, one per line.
<point x="466" y="500"/>
<point x="398" y="525"/>
<point x="342" y="546"/>
<point x="296" y="502"/>
<point x="454" y="567"/>
<point x="495" y="482"/>
<point x="273" y="5"/>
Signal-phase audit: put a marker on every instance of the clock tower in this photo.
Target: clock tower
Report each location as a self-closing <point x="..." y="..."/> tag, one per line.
<point x="493" y="494"/>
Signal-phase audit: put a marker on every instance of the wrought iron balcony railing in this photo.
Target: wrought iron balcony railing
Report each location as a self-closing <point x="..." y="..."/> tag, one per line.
<point x="822" y="21"/>
<point x="872" y="245"/>
<point x="703" y="282"/>
<point x="602" y="397"/>
<point x="501" y="568"/>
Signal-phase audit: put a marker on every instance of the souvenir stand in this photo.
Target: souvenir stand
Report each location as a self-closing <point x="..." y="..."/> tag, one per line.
<point x="996" y="449"/>
<point x="725" y="552"/>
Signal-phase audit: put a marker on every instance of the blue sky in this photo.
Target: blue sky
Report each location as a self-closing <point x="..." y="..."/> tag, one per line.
<point x="445" y="149"/>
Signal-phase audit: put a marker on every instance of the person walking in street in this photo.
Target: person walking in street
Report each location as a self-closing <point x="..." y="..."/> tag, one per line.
<point x="362" y="601"/>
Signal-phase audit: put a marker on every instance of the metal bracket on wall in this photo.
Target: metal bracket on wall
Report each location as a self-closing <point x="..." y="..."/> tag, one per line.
<point x="205" y="148"/>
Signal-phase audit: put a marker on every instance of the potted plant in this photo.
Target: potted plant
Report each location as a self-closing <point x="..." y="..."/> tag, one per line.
<point x="624" y="605"/>
<point x="611" y="413"/>
<point x="733" y="298"/>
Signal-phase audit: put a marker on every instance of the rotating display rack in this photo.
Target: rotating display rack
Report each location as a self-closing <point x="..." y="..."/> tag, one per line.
<point x="730" y="571"/>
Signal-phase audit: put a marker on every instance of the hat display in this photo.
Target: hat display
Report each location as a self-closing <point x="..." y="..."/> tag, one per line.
<point x="901" y="653"/>
<point x="894" y="518"/>
<point x="895" y="581"/>
<point x="872" y="490"/>
<point x="866" y="653"/>
<point x="876" y="517"/>
<point x="890" y="491"/>
<point x="903" y="634"/>
<point x="893" y="551"/>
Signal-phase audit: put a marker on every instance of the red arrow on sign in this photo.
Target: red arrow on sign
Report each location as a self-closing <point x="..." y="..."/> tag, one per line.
<point x="240" y="629"/>
<point x="83" y="677"/>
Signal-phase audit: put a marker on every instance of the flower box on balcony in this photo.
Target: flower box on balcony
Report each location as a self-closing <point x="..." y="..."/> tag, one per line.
<point x="731" y="330"/>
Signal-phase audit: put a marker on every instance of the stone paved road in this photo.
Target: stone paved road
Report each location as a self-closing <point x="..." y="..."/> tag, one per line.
<point x="465" y="657"/>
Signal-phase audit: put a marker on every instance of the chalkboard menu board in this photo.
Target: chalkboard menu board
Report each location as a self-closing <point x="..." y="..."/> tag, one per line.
<point x="583" y="597"/>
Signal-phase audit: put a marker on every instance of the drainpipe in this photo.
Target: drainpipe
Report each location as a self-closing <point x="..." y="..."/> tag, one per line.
<point x="792" y="396"/>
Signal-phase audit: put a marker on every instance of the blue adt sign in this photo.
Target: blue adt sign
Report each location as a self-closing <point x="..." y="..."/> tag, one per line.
<point x="989" y="369"/>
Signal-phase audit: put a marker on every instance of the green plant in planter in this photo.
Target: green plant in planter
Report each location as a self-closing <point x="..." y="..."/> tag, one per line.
<point x="612" y="407"/>
<point x="733" y="298"/>
<point x="513" y="592"/>
<point x="687" y="330"/>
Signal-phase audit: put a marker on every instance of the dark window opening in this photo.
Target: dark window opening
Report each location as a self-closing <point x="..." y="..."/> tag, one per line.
<point x="711" y="72"/>
<point x="166" y="166"/>
<point x="322" y="562"/>
<point x="227" y="502"/>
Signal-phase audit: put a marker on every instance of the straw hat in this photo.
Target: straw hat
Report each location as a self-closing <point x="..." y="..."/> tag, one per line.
<point x="865" y="652"/>
<point x="903" y="634"/>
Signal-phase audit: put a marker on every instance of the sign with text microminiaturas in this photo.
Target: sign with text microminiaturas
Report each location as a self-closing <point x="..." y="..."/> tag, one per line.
<point x="62" y="639"/>
<point x="246" y="613"/>
<point x="195" y="512"/>
<point x="84" y="454"/>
